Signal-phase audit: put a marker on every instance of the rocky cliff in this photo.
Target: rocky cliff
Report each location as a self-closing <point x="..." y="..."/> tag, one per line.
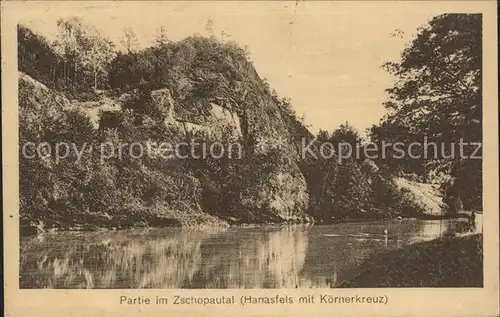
<point x="200" y="100"/>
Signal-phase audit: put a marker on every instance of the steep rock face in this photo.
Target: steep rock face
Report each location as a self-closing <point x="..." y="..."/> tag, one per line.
<point x="83" y="188"/>
<point x="33" y="95"/>
<point x="214" y="122"/>
<point x="239" y="106"/>
<point x="234" y="106"/>
<point x="285" y="192"/>
<point x="427" y="196"/>
<point x="94" y="109"/>
<point x="283" y="189"/>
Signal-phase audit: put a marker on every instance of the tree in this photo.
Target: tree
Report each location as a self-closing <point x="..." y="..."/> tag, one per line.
<point x="84" y="50"/>
<point x="438" y="93"/>
<point x="36" y="57"/>
<point x="129" y="40"/>
<point x="68" y="45"/>
<point x="346" y="133"/>
<point x="209" y="27"/>
<point x="98" y="54"/>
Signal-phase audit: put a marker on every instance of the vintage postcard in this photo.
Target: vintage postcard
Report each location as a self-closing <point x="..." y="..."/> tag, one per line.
<point x="250" y="158"/>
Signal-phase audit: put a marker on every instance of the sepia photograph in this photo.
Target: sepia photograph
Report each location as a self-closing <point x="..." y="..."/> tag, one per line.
<point x="128" y="136"/>
<point x="228" y="145"/>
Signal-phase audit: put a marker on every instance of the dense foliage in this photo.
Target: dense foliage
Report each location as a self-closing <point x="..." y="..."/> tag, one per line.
<point x="169" y="86"/>
<point x="77" y="62"/>
<point x="438" y="98"/>
<point x="114" y="192"/>
<point x="352" y="187"/>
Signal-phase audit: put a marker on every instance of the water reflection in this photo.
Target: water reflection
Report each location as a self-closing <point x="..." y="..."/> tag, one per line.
<point x="318" y="256"/>
<point x="121" y="260"/>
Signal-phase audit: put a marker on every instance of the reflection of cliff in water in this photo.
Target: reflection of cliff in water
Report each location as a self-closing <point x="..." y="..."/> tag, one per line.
<point x="110" y="261"/>
<point x="317" y="256"/>
<point x="253" y="259"/>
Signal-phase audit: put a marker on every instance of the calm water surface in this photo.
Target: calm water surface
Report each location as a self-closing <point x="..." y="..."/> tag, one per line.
<point x="299" y="256"/>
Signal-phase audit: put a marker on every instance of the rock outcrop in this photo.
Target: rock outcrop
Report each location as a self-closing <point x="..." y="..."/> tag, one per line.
<point x="426" y="196"/>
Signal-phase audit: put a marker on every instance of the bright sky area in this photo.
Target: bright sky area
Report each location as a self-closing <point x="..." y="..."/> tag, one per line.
<point x="324" y="56"/>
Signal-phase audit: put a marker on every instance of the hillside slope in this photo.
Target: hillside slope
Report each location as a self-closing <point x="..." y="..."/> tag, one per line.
<point x="264" y="185"/>
<point x="196" y="91"/>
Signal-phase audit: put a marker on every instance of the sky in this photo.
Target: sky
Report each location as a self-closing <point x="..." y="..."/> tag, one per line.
<point x="324" y="56"/>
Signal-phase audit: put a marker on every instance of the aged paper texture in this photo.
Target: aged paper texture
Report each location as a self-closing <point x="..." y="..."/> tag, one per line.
<point x="250" y="158"/>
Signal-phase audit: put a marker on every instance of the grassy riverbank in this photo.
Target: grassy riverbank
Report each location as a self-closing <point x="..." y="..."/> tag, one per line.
<point x="446" y="262"/>
<point x="196" y="220"/>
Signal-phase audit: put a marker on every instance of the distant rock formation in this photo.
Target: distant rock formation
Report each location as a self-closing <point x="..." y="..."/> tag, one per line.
<point x="427" y="196"/>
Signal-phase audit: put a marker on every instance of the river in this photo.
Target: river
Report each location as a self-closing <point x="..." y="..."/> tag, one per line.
<point x="288" y="257"/>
